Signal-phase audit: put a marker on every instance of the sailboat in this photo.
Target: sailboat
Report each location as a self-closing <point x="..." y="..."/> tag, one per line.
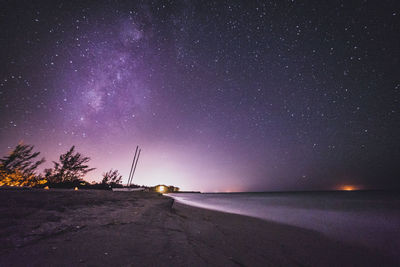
<point x="131" y="174"/>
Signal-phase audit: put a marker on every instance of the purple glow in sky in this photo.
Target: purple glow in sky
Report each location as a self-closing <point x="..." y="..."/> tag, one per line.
<point x="221" y="96"/>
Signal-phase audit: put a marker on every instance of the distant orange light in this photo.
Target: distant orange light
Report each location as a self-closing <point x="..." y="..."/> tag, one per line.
<point x="46" y="188"/>
<point x="76" y="188"/>
<point x="348" y="188"/>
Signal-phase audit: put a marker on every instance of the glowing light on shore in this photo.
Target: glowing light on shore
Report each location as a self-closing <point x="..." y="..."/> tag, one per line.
<point x="161" y="189"/>
<point x="348" y="188"/>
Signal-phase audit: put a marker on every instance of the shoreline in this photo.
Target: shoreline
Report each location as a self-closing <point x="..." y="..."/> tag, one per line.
<point x="366" y="219"/>
<point x="104" y="228"/>
<point x="270" y="243"/>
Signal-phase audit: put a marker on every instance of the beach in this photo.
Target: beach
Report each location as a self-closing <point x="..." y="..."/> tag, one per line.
<point x="105" y="228"/>
<point x="366" y="218"/>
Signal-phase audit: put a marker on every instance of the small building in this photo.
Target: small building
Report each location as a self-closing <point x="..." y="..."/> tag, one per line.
<point x="164" y="189"/>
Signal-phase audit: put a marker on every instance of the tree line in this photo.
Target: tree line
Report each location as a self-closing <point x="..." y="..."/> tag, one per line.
<point x="19" y="168"/>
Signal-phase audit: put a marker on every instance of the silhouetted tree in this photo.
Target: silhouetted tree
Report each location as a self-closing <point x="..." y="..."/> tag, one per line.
<point x="22" y="158"/>
<point x="49" y="175"/>
<point x="18" y="168"/>
<point x="70" y="168"/>
<point x="112" y="178"/>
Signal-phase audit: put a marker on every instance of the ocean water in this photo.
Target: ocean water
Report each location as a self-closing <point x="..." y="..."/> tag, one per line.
<point x="367" y="218"/>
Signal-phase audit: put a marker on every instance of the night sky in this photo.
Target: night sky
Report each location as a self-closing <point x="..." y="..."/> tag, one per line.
<point x="220" y="95"/>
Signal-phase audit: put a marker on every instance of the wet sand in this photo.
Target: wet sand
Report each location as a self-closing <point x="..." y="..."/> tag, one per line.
<point x="104" y="228"/>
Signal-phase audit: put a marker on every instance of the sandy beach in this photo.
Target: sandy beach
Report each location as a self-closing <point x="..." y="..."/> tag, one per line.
<point x="104" y="228"/>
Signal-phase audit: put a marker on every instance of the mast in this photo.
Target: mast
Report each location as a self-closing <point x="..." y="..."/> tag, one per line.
<point x="133" y="163"/>
<point x="134" y="169"/>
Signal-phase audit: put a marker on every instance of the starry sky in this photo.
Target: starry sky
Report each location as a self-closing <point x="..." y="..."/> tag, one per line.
<point x="220" y="95"/>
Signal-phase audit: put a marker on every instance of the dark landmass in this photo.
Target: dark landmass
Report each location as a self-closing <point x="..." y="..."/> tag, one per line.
<point x="104" y="228"/>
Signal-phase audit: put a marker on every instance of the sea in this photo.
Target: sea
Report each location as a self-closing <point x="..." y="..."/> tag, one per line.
<point x="367" y="218"/>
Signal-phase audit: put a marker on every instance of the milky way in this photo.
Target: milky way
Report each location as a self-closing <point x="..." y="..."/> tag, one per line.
<point x="221" y="95"/>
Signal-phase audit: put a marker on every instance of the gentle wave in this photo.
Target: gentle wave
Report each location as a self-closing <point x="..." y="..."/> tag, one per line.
<point x="371" y="219"/>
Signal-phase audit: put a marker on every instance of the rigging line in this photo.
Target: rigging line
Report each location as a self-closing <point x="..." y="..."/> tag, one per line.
<point x="133" y="163"/>
<point x="134" y="169"/>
